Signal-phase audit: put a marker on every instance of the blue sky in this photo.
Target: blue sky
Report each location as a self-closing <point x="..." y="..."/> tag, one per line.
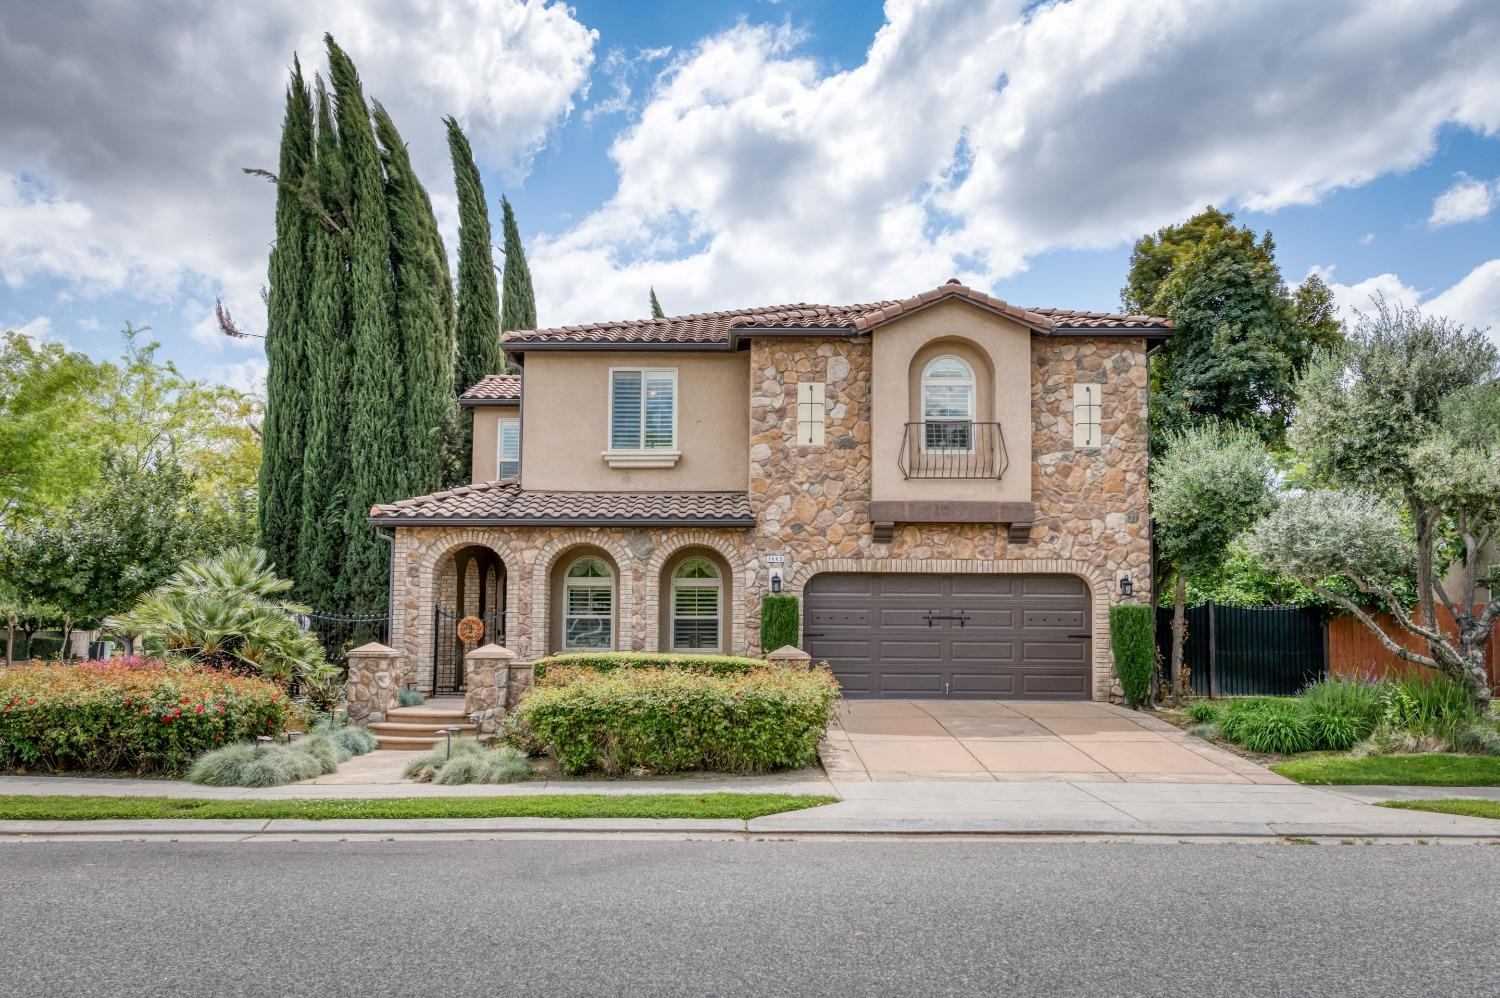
<point x="749" y="153"/>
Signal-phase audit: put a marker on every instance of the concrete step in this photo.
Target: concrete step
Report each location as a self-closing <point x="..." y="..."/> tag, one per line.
<point x="440" y="716"/>
<point x="401" y="728"/>
<point x="408" y="743"/>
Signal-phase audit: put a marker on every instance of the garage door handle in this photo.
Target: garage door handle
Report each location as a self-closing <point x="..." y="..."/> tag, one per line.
<point x="812" y="634"/>
<point x="1080" y="635"/>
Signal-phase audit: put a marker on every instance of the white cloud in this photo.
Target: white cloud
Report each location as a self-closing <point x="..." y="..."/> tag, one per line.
<point x="1474" y="300"/>
<point x="122" y="134"/>
<point x="1367" y="239"/>
<point x="977" y="135"/>
<point x="247" y="375"/>
<point x="1468" y="200"/>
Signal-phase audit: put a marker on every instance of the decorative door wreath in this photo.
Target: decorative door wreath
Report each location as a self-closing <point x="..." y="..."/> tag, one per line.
<point x="470" y="629"/>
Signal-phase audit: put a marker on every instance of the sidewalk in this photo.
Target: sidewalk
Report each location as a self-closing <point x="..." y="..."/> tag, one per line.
<point x="909" y="808"/>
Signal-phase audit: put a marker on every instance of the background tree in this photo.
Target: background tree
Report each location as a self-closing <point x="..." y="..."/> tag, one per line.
<point x="518" y="302"/>
<point x="323" y="533"/>
<point x="1368" y="414"/>
<point x="478" y="331"/>
<point x="656" y="311"/>
<point x="1210" y="485"/>
<point x="422" y="315"/>
<point x="1240" y="337"/>
<point x="287" y="332"/>
<point x="46" y="452"/>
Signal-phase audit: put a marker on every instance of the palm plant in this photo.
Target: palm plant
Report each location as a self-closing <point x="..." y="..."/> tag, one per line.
<point x="223" y="610"/>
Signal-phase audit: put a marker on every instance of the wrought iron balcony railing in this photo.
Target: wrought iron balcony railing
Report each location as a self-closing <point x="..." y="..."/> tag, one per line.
<point x="953" y="448"/>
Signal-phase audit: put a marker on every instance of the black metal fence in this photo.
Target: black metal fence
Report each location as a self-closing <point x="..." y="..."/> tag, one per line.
<point x="1240" y="651"/>
<point x="338" y="632"/>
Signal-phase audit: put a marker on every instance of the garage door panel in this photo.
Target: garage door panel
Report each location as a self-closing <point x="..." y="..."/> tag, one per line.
<point x="1022" y="636"/>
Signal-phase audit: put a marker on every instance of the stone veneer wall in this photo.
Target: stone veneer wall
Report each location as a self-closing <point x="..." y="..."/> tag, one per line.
<point x="813" y="506"/>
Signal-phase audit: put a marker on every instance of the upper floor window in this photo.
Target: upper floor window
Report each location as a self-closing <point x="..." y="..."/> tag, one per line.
<point x="642" y="409"/>
<point x="508" y="449"/>
<point x="589" y="604"/>
<point x="947" y="405"/>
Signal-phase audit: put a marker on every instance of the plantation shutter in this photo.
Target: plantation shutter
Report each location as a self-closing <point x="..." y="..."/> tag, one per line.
<point x="660" y="405"/>
<point x="510" y="448"/>
<point x="625" y="410"/>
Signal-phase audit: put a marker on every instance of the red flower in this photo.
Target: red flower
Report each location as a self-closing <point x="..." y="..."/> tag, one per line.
<point x="31" y="702"/>
<point x="184" y="699"/>
<point x="9" y="707"/>
<point x="199" y="710"/>
<point x="176" y="713"/>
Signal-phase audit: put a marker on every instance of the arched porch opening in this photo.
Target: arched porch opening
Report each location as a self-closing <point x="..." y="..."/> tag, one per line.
<point x="469" y="608"/>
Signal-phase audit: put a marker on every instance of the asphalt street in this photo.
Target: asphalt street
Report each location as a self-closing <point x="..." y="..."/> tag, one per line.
<point x="592" y="917"/>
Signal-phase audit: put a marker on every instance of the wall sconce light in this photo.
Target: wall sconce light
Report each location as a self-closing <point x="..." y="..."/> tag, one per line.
<point x="1126" y="586"/>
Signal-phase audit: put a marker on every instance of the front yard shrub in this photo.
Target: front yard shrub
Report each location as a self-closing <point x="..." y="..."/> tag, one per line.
<point x="470" y="762"/>
<point x="142" y="716"/>
<point x="1428" y="706"/>
<point x="351" y="740"/>
<point x="1277" y="726"/>
<point x="248" y="764"/>
<point x="1132" y="638"/>
<point x="609" y="661"/>
<point x="1203" y="711"/>
<point x="1481" y="739"/>
<point x="778" y="622"/>
<point x="671" y="720"/>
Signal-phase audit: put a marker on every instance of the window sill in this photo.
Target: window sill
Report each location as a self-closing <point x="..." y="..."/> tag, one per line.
<point x="641" y="458"/>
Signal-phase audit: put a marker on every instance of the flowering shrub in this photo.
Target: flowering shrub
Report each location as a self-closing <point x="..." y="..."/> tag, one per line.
<point x="129" y="715"/>
<point x="671" y="720"/>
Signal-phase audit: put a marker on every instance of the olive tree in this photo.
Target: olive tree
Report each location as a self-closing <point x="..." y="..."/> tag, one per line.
<point x="1210" y="485"/>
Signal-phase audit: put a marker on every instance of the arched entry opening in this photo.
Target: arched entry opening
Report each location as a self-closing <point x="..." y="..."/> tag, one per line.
<point x="469" y="611"/>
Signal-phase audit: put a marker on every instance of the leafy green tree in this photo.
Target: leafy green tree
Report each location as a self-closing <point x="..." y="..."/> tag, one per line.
<point x="423" y="314"/>
<point x="1240" y="338"/>
<point x="376" y="443"/>
<point x="46" y="451"/>
<point x="323" y="532"/>
<point x="518" y="302"/>
<point x="478" y="294"/>
<point x="287" y="332"/>
<point x="1369" y="411"/>
<point x="656" y="312"/>
<point x="1210" y="485"/>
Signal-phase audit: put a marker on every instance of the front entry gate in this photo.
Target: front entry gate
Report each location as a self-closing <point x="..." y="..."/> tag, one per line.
<point x="454" y="635"/>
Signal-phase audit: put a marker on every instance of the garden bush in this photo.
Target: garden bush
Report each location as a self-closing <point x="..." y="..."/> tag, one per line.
<point x="1132" y="638"/>
<point x="778" y="622"/>
<point x="1431" y="706"/>
<point x="143" y="716"/>
<point x="1203" y="711"/>
<point x="609" y="661"/>
<point x="251" y="764"/>
<point x="1278" y="726"/>
<point x="470" y="762"/>
<point x="671" y="720"/>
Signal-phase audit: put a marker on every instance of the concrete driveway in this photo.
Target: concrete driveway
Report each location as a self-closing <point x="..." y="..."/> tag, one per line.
<point x="1015" y="740"/>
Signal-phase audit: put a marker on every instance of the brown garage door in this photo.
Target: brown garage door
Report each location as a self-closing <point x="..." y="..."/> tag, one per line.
<point x="951" y="635"/>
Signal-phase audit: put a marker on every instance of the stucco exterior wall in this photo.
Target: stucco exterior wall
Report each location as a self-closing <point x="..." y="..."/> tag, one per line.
<point x="566" y="429"/>
<point x="1000" y="349"/>
<point x="484" y="466"/>
<point x="812" y="503"/>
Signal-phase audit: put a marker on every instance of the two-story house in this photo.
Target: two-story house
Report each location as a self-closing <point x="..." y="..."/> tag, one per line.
<point x="954" y="487"/>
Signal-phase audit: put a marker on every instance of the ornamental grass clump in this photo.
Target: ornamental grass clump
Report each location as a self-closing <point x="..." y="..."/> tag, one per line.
<point x="469" y="761"/>
<point x="671" y="720"/>
<point x="140" y="716"/>
<point x="251" y="764"/>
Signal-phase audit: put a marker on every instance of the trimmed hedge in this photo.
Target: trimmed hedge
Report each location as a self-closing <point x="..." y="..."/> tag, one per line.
<point x="671" y="720"/>
<point x="1132" y="638"/>
<point x="142" y="716"/>
<point x="610" y="661"/>
<point x="778" y="622"/>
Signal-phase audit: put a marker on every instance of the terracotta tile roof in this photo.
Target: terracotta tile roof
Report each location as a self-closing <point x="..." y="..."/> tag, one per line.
<point x="505" y="502"/>
<point x="723" y="328"/>
<point x="493" y="389"/>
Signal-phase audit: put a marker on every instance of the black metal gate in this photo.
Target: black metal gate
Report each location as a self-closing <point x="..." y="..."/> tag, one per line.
<point x="339" y="632"/>
<point x="448" y="649"/>
<point x="1248" y="651"/>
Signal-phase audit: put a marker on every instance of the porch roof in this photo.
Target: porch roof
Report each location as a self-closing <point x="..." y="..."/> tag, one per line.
<point x="505" y="503"/>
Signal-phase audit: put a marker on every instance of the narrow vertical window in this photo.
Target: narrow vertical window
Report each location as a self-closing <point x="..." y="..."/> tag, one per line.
<point x="811" y="413"/>
<point x="508" y="464"/>
<point x="589" y="605"/>
<point x="697" y="597"/>
<point x="1087" y="410"/>
<point x="948" y="406"/>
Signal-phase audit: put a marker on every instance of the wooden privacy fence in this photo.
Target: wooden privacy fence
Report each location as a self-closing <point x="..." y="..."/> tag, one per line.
<point x="1248" y="651"/>
<point x="1354" y="651"/>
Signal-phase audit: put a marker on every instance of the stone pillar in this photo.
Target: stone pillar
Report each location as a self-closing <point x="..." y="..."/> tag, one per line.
<point x="789" y="657"/>
<point x="374" y="677"/>
<point x="486" y="685"/>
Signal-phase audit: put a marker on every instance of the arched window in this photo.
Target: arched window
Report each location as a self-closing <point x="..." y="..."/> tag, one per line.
<point x="947" y="405"/>
<point x="697" y="602"/>
<point x="589" y="605"/>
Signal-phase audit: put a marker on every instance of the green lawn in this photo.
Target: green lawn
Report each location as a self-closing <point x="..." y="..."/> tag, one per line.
<point x="1436" y="770"/>
<point x="1472" y="808"/>
<point x="39" y="808"/>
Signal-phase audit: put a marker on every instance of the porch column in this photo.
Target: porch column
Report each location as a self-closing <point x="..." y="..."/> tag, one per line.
<point x="374" y="678"/>
<point x="486" y="678"/>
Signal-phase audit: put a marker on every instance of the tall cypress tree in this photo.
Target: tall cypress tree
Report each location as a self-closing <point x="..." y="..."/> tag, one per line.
<point x="422" y="314"/>
<point x="478" y="295"/>
<point x="376" y="448"/>
<point x="320" y="551"/>
<point x="287" y="328"/>
<point x="656" y="312"/>
<point x="518" y="303"/>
